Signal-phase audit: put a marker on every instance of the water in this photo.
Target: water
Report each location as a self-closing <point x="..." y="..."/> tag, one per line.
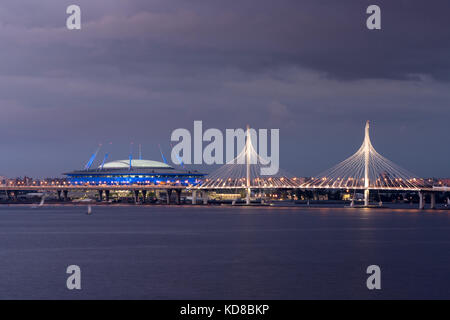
<point x="160" y="252"/>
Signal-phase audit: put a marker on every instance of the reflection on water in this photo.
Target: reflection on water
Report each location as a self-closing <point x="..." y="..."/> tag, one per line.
<point x="159" y="252"/>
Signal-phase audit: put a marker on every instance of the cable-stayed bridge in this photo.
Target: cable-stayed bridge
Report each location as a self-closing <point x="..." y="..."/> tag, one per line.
<point x="365" y="170"/>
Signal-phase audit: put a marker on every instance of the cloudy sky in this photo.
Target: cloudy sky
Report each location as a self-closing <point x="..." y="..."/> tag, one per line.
<point x="139" y="69"/>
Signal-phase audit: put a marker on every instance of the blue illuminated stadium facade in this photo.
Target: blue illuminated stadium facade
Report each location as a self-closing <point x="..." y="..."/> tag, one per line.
<point x="134" y="172"/>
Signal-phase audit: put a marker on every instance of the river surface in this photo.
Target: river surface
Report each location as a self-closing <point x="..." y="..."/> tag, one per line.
<point x="204" y="252"/>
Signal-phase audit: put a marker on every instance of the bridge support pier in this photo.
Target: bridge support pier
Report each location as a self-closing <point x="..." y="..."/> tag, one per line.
<point x="100" y="195"/>
<point x="205" y="197"/>
<point x="194" y="197"/>
<point x="136" y="196"/>
<point x="421" y="201"/>
<point x="433" y="200"/>
<point x="169" y="195"/>
<point x="178" y="191"/>
<point x="66" y="195"/>
<point x="107" y="195"/>
<point x="11" y="195"/>
<point x="144" y="195"/>
<point x="315" y="196"/>
<point x="59" y="195"/>
<point x="366" y="197"/>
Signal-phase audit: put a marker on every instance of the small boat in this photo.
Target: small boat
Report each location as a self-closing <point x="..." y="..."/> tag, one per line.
<point x="40" y="204"/>
<point x="89" y="210"/>
<point x="42" y="201"/>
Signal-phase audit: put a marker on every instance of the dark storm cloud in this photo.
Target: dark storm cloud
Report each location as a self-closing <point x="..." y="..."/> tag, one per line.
<point x="139" y="69"/>
<point x="329" y="36"/>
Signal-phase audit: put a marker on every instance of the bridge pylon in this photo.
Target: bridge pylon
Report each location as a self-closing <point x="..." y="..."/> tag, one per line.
<point x="244" y="172"/>
<point x="248" y="145"/>
<point x="366" y="145"/>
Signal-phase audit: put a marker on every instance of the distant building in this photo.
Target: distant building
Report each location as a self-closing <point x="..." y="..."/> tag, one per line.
<point x="129" y="172"/>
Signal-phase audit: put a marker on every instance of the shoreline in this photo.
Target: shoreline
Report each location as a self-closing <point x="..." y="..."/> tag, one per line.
<point x="209" y="206"/>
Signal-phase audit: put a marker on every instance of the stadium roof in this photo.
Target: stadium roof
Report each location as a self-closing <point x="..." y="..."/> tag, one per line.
<point x="122" y="164"/>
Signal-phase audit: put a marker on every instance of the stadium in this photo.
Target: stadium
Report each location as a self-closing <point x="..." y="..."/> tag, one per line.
<point x="133" y="172"/>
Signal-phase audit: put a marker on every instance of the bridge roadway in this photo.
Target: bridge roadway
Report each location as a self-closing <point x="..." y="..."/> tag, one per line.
<point x="11" y="190"/>
<point x="178" y="187"/>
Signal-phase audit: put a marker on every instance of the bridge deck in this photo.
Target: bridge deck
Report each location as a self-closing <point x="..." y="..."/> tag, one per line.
<point x="165" y="187"/>
<point x="98" y="187"/>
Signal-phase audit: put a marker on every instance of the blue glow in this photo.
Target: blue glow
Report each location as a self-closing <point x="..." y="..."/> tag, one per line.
<point x="140" y="179"/>
<point x="162" y="155"/>
<point x="104" y="160"/>
<point x="91" y="160"/>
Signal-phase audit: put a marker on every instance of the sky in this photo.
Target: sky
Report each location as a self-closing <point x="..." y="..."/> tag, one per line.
<point x="137" y="70"/>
